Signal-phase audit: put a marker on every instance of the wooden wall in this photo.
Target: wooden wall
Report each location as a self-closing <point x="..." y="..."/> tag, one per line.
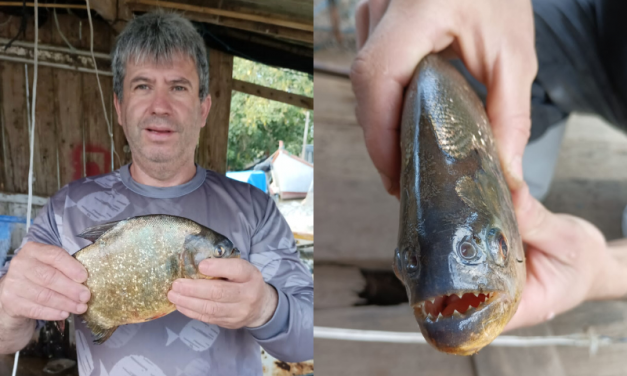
<point x="69" y="113"/>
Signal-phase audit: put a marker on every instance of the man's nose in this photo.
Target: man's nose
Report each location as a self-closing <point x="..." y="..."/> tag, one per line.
<point x="160" y="104"/>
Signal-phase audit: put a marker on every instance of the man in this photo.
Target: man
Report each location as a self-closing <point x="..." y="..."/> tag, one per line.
<point x="581" y="52"/>
<point x="161" y="85"/>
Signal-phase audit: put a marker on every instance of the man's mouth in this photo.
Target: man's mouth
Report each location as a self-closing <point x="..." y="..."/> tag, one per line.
<point x="458" y="305"/>
<point x="159" y="131"/>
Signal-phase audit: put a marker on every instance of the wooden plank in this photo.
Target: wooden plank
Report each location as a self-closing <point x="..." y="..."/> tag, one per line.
<point x="273" y="94"/>
<point x="214" y="136"/>
<point x="334" y="357"/>
<point x="604" y="318"/>
<point x="96" y="135"/>
<point x="270" y="20"/>
<point x="45" y="181"/>
<point x="68" y="93"/>
<point x="258" y="27"/>
<point x="337" y="286"/>
<point x="14" y="118"/>
<point x="520" y="361"/>
<point x="105" y="8"/>
<point x="360" y="223"/>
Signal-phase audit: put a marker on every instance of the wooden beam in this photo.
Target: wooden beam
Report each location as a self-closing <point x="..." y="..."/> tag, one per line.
<point x="108" y="9"/>
<point x="274" y="94"/>
<point x="254" y="26"/>
<point x="42" y="5"/>
<point x="227" y="13"/>
<point x="214" y="137"/>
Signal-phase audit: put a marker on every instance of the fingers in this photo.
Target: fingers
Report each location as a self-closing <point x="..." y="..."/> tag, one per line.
<point x="234" y="270"/>
<point x="52" y="279"/>
<point x="214" y="290"/>
<point x="379" y="74"/>
<point x="25" y="308"/>
<point x="362" y="23"/>
<point x="50" y="299"/>
<point x="59" y="259"/>
<point x="509" y="111"/>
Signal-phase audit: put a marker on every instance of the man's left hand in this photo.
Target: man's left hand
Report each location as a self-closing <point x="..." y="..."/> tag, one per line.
<point x="241" y="299"/>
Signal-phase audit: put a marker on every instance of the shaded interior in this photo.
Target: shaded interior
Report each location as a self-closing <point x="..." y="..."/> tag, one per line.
<point x="447" y="304"/>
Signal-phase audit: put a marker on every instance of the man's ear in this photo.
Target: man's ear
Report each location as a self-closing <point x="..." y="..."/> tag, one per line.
<point x="116" y="103"/>
<point x="205" y="106"/>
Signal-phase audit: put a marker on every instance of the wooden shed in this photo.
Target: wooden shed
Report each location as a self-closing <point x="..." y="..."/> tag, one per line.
<point x="72" y="138"/>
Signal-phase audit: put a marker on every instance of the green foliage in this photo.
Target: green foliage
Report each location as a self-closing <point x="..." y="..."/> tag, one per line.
<point x="256" y="124"/>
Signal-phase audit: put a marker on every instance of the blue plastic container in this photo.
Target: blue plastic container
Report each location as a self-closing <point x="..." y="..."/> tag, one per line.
<point x="255" y="178"/>
<point x="7" y="222"/>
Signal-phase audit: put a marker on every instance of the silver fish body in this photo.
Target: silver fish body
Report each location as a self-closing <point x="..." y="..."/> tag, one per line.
<point x="459" y="252"/>
<point x="132" y="264"/>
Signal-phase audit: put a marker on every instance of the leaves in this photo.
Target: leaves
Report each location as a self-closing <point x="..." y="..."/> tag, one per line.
<point x="257" y="124"/>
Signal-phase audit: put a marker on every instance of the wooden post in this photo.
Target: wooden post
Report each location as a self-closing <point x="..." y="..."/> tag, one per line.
<point x="302" y="153"/>
<point x="214" y="137"/>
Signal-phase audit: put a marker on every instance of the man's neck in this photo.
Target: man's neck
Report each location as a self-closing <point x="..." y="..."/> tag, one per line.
<point x="162" y="175"/>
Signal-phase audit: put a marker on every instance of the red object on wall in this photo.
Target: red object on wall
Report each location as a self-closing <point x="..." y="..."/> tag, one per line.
<point x="98" y="161"/>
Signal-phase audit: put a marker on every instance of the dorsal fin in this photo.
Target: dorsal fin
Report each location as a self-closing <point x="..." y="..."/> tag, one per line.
<point x="94" y="232"/>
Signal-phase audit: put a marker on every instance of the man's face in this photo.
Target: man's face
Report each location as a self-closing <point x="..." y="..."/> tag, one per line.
<point x="161" y="112"/>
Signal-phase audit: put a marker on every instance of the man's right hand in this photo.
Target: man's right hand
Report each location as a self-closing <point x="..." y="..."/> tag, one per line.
<point x="495" y="40"/>
<point x="45" y="283"/>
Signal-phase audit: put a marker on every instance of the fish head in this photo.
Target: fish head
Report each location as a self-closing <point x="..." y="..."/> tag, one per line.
<point x="463" y="267"/>
<point x="205" y="245"/>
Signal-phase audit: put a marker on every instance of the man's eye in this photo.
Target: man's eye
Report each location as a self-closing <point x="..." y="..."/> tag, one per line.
<point x="141" y="87"/>
<point x="180" y="88"/>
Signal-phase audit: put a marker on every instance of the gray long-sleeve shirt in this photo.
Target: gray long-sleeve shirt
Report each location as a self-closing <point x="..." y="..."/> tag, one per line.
<point x="176" y="344"/>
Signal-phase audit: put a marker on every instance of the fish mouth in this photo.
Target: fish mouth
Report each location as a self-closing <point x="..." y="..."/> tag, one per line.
<point x="463" y="322"/>
<point x="455" y="305"/>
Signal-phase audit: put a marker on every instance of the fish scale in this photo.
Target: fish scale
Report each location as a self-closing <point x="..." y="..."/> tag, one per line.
<point x="133" y="263"/>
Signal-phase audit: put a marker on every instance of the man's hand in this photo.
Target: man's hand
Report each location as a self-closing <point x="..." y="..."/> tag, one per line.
<point x="44" y="283"/>
<point x="495" y="40"/>
<point x="568" y="261"/>
<point x="243" y="299"/>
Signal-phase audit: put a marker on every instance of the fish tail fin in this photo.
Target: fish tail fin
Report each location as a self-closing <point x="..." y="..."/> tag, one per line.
<point x="100" y="334"/>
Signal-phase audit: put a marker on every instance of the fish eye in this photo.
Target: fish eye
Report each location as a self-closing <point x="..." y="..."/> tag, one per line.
<point x="220" y="251"/>
<point x="467" y="251"/>
<point x="502" y="245"/>
<point x="411" y="261"/>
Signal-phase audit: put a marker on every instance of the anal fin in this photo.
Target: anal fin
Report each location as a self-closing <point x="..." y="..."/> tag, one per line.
<point x="100" y="334"/>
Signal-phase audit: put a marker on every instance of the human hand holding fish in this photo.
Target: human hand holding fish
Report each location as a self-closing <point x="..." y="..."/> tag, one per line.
<point x="43" y="282"/>
<point x="240" y="298"/>
<point x="568" y="262"/>
<point x="495" y="40"/>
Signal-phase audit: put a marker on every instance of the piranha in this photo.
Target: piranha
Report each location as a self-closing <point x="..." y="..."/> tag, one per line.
<point x="132" y="264"/>
<point x="459" y="255"/>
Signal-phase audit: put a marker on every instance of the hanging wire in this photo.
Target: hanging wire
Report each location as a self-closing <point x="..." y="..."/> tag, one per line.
<point x="31" y="127"/>
<point x="104" y="107"/>
<point x="56" y="22"/>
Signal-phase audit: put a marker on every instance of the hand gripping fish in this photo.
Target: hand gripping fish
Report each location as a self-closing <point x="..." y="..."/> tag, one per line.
<point x="132" y="264"/>
<point x="459" y="252"/>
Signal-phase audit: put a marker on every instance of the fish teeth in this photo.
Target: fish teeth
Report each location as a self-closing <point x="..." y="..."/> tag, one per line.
<point x="439" y="316"/>
<point x="430" y="317"/>
<point x="476" y="294"/>
<point x="432" y="300"/>
<point x="470" y="310"/>
<point x="457" y="314"/>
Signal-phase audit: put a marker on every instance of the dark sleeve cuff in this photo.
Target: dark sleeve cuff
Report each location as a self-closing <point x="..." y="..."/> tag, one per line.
<point x="278" y="323"/>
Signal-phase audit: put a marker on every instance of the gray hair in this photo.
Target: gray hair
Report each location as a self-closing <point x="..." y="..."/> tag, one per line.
<point x="158" y="37"/>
